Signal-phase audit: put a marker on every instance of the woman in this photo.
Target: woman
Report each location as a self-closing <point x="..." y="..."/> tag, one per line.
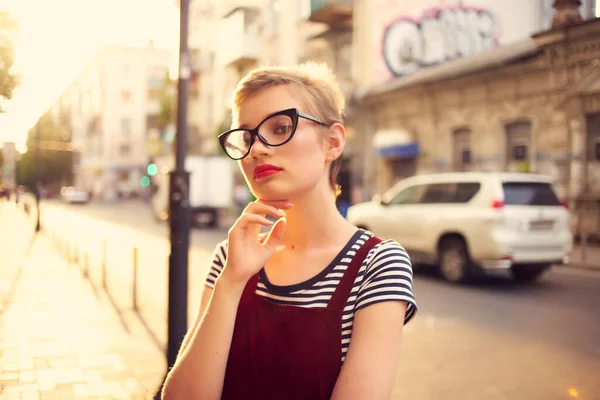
<point x="314" y="309"/>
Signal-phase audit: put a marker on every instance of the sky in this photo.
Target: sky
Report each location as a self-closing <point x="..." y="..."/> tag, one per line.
<point x="57" y="38"/>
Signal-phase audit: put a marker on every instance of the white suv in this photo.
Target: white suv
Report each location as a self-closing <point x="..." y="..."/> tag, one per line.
<point x="468" y="222"/>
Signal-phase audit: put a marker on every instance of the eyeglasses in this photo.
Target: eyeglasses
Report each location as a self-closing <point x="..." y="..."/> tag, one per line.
<point x="275" y="130"/>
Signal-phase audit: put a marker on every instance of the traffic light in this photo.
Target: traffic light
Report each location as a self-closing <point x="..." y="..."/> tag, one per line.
<point x="145" y="181"/>
<point x="152" y="169"/>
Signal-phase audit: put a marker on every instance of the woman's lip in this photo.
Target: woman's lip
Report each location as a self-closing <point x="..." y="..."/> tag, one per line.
<point x="265" y="172"/>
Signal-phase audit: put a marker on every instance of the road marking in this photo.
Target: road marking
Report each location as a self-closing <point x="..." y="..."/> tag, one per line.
<point x="576" y="271"/>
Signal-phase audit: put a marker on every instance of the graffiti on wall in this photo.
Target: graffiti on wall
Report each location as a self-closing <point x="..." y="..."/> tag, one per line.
<point x="441" y="34"/>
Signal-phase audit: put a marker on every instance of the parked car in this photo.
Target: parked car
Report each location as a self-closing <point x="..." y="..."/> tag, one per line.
<point x="467" y="223"/>
<point x="74" y="195"/>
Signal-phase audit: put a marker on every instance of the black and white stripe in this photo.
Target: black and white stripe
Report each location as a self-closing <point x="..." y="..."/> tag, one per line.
<point x="385" y="275"/>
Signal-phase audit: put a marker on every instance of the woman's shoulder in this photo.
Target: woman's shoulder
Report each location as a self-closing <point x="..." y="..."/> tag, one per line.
<point x="387" y="249"/>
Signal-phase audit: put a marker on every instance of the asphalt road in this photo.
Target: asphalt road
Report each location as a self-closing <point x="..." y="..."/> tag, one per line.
<point x="491" y="340"/>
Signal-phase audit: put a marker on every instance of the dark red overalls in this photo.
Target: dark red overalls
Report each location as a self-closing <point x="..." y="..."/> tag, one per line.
<point x="287" y="352"/>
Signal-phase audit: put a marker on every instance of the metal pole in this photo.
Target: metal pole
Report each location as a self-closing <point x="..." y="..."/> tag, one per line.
<point x="179" y="220"/>
<point x="135" y="279"/>
<point x="36" y="177"/>
<point x="104" y="264"/>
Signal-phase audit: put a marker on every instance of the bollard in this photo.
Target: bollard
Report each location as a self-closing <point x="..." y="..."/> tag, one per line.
<point x="583" y="247"/>
<point x="135" y="267"/>
<point x="69" y="251"/>
<point x="86" y="266"/>
<point x="104" y="264"/>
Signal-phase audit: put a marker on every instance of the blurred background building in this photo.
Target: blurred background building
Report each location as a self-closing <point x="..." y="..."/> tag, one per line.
<point x="430" y="85"/>
<point x="483" y="86"/>
<point x="114" y="108"/>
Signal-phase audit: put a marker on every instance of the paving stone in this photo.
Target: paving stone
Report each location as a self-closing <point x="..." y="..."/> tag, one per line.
<point x="82" y="351"/>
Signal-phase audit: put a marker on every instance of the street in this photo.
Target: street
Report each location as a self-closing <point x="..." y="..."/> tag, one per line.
<point x="491" y="340"/>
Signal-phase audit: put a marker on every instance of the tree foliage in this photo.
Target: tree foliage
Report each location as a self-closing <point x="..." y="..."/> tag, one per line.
<point x="55" y="156"/>
<point x="168" y="106"/>
<point x="8" y="80"/>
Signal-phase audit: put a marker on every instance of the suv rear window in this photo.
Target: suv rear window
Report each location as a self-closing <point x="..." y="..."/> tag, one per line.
<point x="461" y="192"/>
<point x="529" y="194"/>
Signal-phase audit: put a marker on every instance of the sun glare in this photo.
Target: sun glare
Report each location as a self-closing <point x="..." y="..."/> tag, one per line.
<point x="57" y="38"/>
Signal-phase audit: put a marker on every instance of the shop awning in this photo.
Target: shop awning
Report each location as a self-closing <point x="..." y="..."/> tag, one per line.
<point x="395" y="143"/>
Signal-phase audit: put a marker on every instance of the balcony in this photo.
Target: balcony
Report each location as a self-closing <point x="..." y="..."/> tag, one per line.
<point x="242" y="47"/>
<point x="332" y="12"/>
<point x="200" y="60"/>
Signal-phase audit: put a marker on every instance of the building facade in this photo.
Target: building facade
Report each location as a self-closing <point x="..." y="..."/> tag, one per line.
<point x="229" y="38"/>
<point x="113" y="107"/>
<point x="531" y="104"/>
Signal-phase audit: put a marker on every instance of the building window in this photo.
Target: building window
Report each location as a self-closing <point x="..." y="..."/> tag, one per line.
<point x="124" y="149"/>
<point x="125" y="127"/>
<point x="462" y="148"/>
<point x="518" y="141"/>
<point x="126" y="96"/>
<point x="593" y="133"/>
<point x="124" y="176"/>
<point x="273" y="18"/>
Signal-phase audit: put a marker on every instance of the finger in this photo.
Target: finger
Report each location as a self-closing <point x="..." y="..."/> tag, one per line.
<point x="251" y="219"/>
<point x="263" y="209"/>
<point x="249" y="224"/>
<point x="281" y="204"/>
<point x="272" y="241"/>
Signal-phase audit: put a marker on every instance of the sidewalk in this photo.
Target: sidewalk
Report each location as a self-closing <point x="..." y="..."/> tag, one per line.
<point x="60" y="338"/>
<point x="592" y="257"/>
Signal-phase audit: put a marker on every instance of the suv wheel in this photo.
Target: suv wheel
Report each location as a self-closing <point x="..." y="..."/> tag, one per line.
<point x="528" y="273"/>
<point x="454" y="262"/>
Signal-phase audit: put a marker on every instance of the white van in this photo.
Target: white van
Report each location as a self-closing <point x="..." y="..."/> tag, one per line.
<point x="210" y="191"/>
<point x="468" y="222"/>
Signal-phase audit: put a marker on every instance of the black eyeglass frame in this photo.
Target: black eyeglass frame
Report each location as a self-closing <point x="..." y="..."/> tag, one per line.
<point x="293" y="113"/>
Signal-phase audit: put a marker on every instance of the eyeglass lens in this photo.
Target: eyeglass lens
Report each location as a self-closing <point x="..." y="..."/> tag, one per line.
<point x="274" y="130"/>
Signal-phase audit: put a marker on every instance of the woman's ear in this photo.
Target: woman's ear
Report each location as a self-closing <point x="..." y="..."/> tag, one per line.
<point x="336" y="141"/>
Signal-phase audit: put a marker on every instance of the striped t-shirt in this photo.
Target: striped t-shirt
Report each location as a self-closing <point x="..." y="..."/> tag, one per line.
<point x="385" y="275"/>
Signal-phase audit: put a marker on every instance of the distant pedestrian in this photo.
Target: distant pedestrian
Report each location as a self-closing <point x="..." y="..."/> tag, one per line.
<point x="315" y="308"/>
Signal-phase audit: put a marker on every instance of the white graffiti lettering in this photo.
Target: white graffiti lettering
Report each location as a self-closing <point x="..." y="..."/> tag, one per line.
<point x="440" y="35"/>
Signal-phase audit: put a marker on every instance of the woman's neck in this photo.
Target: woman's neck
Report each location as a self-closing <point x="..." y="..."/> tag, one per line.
<point x="314" y="221"/>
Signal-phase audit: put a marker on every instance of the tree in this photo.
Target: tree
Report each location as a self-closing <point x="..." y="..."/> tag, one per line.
<point x="168" y="106"/>
<point x="55" y="155"/>
<point x="8" y="81"/>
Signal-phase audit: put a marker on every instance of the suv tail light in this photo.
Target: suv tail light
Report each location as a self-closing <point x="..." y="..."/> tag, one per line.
<point x="565" y="204"/>
<point x="497" y="204"/>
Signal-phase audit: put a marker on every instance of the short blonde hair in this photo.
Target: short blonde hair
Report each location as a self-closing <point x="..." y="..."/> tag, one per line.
<point x="318" y="88"/>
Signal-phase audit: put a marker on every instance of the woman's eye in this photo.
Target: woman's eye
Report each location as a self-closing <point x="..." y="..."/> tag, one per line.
<point x="283" y="129"/>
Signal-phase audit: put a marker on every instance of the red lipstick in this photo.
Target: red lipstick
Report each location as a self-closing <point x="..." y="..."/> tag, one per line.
<point x="264" y="170"/>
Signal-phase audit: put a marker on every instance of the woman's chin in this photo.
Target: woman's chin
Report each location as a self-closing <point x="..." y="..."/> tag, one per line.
<point x="272" y="194"/>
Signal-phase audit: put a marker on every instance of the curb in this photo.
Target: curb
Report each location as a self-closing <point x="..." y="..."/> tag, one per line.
<point x="587" y="267"/>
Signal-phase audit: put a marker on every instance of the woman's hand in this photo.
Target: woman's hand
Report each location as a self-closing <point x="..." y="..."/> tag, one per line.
<point x="247" y="251"/>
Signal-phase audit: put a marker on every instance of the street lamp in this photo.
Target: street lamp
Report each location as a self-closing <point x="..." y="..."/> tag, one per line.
<point x="179" y="211"/>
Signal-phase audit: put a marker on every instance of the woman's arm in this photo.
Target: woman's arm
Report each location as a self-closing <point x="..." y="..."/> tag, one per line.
<point x="200" y="367"/>
<point x="384" y="303"/>
<point x="369" y="370"/>
<point x="204" y="300"/>
<point x="199" y="370"/>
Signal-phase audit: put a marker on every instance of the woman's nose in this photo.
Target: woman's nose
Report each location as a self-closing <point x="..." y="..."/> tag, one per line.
<point x="259" y="149"/>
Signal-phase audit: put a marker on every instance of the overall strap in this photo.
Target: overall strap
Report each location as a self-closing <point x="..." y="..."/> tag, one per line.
<point x="342" y="292"/>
